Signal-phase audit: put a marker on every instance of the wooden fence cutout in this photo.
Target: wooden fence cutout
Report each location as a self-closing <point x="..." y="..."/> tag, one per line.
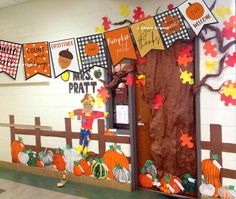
<point x="67" y="134"/>
<point x="217" y="147"/>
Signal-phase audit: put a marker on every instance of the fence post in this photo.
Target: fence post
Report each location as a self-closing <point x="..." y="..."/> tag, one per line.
<point x="216" y="142"/>
<point x="101" y="138"/>
<point x="12" y="128"/>
<point x="68" y="133"/>
<point x="38" y="136"/>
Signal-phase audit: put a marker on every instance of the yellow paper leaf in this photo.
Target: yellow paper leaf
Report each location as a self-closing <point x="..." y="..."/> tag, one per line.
<point x="211" y="65"/>
<point x="223" y="11"/>
<point x="99" y="102"/>
<point x="229" y="91"/>
<point x="100" y="29"/>
<point x="186" y="77"/>
<point x="124" y="10"/>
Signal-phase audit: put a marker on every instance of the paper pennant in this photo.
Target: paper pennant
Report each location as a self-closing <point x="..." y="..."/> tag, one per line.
<point x="64" y="56"/>
<point x="36" y="59"/>
<point x="171" y="26"/>
<point x="120" y="45"/>
<point x="92" y="52"/>
<point x="197" y="14"/>
<point x="9" y="58"/>
<point x="147" y="36"/>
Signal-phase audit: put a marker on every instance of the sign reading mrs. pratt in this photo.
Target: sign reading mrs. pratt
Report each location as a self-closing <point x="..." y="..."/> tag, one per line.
<point x="120" y="45"/>
<point x="197" y="14"/>
<point x="64" y="56"/>
<point x="9" y="58"/>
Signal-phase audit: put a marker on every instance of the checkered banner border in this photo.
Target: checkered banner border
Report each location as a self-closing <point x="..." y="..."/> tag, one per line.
<point x="9" y="57"/>
<point x="180" y="35"/>
<point x="99" y="60"/>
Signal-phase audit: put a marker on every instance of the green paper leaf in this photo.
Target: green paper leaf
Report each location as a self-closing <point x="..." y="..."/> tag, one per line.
<point x="143" y="170"/>
<point x="203" y="180"/>
<point x="68" y="146"/>
<point x="231" y="187"/>
<point x="215" y="157"/>
<point x="111" y="147"/>
<point x="154" y="177"/>
<point x="118" y="147"/>
<point x="187" y="175"/>
<point x="20" y="139"/>
<point x="76" y="163"/>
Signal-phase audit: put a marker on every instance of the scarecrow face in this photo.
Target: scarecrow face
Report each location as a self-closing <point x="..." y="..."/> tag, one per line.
<point x="87" y="107"/>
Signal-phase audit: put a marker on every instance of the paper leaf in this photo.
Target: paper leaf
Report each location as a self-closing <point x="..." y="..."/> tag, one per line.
<point x="211" y="65"/>
<point x="229" y="30"/>
<point x="157" y="102"/>
<point x="228" y="93"/>
<point x="103" y="94"/>
<point x="124" y="10"/>
<point x="100" y="29"/>
<point x="186" y="50"/>
<point x="184" y="60"/>
<point x="231" y="187"/>
<point x="215" y="157"/>
<point x="141" y="61"/>
<point x="210" y="49"/>
<point x="99" y="102"/>
<point x="231" y="60"/>
<point x="186" y="77"/>
<point x="140" y="80"/>
<point x="170" y="6"/>
<point x="223" y="11"/>
<point x="129" y="80"/>
<point x="106" y="23"/>
<point x="175" y="27"/>
<point x="186" y="140"/>
<point x="138" y="14"/>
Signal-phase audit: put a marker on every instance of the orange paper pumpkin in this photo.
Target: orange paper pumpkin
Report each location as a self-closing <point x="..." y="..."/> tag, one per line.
<point x="113" y="157"/>
<point x="91" y="49"/>
<point x="78" y="170"/>
<point x="145" y="180"/>
<point x="168" y="183"/>
<point x="211" y="173"/>
<point x="86" y="165"/>
<point x="59" y="160"/>
<point x="195" y="11"/>
<point x="17" y="146"/>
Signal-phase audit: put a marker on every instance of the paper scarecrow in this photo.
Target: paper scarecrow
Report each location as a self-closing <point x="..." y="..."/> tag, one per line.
<point x="87" y="116"/>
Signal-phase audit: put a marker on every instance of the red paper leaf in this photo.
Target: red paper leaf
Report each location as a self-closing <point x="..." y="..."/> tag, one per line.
<point x="106" y="23"/>
<point x="210" y="49"/>
<point x="186" y="50"/>
<point x="170" y="6"/>
<point x="141" y="61"/>
<point x="229" y="30"/>
<point x="186" y="140"/>
<point x="184" y="60"/>
<point x="157" y="102"/>
<point x="138" y="14"/>
<point x="129" y="80"/>
<point x="228" y="93"/>
<point x="231" y="60"/>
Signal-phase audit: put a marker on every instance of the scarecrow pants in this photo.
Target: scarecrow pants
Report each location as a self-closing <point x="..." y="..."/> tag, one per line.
<point x="84" y="134"/>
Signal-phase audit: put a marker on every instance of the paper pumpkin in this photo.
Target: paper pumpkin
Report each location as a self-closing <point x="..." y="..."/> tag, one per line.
<point x="17" y="146"/>
<point x="194" y="11"/>
<point x="91" y="49"/>
<point x="210" y="49"/>
<point x="186" y="140"/>
<point x="186" y="77"/>
<point x="171" y="25"/>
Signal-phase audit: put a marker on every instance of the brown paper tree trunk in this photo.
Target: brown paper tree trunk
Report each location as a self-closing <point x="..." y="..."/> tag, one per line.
<point x="176" y="113"/>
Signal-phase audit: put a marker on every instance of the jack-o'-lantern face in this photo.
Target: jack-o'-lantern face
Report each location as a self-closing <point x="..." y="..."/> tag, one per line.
<point x="65" y="58"/>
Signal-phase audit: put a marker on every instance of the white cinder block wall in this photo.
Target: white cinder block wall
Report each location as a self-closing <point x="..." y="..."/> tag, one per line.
<point x="43" y="20"/>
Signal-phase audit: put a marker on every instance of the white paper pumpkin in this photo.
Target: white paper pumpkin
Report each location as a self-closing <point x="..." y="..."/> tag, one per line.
<point x="71" y="155"/>
<point x="122" y="175"/>
<point x="207" y="189"/>
<point x="46" y="156"/>
<point x="23" y="157"/>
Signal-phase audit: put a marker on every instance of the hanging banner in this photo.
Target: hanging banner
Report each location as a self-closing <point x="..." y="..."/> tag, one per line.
<point x="197" y="14"/>
<point x="147" y="36"/>
<point x="36" y="59"/>
<point x="64" y="56"/>
<point x="171" y="26"/>
<point x="120" y="45"/>
<point x="9" y="57"/>
<point x="92" y="52"/>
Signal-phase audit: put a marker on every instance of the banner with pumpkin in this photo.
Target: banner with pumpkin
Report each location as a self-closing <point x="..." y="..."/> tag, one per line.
<point x="157" y="32"/>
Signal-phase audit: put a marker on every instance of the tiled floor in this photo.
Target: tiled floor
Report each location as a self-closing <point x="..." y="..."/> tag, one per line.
<point x="40" y="186"/>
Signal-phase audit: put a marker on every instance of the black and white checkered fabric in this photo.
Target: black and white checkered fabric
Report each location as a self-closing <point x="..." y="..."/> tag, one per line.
<point x="182" y="34"/>
<point x="88" y="62"/>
